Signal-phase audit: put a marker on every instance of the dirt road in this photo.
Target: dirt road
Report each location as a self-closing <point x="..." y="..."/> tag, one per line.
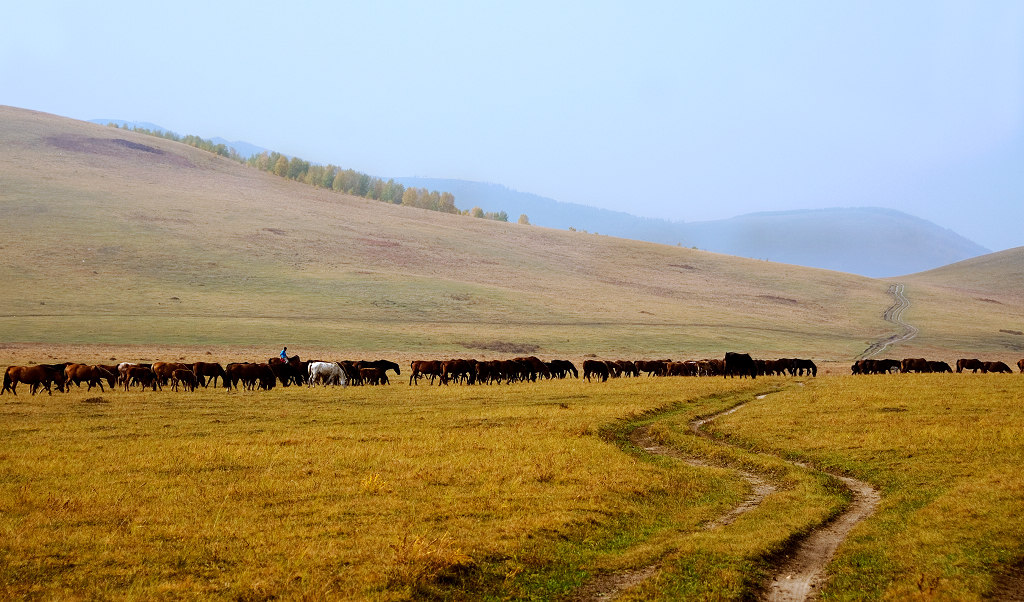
<point x="801" y="573"/>
<point x="894" y="315"/>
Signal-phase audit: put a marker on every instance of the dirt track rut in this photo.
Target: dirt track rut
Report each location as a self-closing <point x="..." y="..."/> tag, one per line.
<point x="801" y="573"/>
<point x="893" y="315"/>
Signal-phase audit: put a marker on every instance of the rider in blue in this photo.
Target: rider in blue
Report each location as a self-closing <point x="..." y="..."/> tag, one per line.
<point x="284" y="355"/>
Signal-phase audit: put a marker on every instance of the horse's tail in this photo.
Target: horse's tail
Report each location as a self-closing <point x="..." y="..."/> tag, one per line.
<point x="7" y="382"/>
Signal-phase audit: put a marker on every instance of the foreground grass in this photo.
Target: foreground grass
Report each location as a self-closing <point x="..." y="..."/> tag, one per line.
<point x="382" y="493"/>
<point x="945" y="451"/>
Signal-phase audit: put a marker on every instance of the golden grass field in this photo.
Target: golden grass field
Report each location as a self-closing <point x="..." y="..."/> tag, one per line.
<point x="118" y="246"/>
<point x="521" y="491"/>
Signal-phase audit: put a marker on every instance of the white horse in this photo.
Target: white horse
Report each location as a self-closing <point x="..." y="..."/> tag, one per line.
<point x="328" y="373"/>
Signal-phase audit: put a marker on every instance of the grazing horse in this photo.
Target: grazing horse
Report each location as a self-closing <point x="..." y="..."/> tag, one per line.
<point x="915" y="364"/>
<point x="187" y="378"/>
<point x="373" y="376"/>
<point x="35" y="377"/>
<point x="142" y="375"/>
<point x="92" y="375"/>
<point x="739" y="363"/>
<point x="968" y="364"/>
<point x="1020" y="364"/>
<point x="562" y="368"/>
<point x="420" y="368"/>
<point x="805" y="366"/>
<point x="997" y="367"/>
<point x="940" y="367"/>
<point x="383" y="365"/>
<point x="595" y="368"/>
<point x="163" y="370"/>
<point x="204" y="370"/>
<point x="328" y="373"/>
<point x="459" y="370"/>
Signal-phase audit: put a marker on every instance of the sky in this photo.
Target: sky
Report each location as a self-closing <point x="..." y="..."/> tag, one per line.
<point x="688" y="111"/>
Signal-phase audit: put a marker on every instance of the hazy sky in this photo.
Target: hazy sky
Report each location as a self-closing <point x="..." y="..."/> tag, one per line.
<point x="684" y="110"/>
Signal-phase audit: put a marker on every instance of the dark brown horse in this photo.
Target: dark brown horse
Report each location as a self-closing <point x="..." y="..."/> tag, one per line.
<point x="997" y="367"/>
<point x="142" y="375"/>
<point x="35" y="377"/>
<point x="420" y="368"/>
<point x="91" y="375"/>
<point x="163" y="370"/>
<point x="968" y="364"/>
<point x="915" y="364"/>
<point x="211" y="371"/>
<point x="187" y="378"/>
<point x="373" y="376"/>
<point x="739" y="363"/>
<point x="595" y="368"/>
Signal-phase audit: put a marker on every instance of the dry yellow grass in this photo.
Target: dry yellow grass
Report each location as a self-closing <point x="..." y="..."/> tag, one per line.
<point x="342" y="493"/>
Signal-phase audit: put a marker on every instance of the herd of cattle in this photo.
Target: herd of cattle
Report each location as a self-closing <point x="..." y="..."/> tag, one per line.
<point x="252" y="376"/>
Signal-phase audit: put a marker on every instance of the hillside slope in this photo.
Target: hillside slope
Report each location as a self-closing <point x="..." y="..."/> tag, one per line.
<point x="869" y="241"/>
<point x="117" y="238"/>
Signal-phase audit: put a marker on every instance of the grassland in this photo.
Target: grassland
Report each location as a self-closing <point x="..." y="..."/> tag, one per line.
<point x="945" y="452"/>
<point x="514" y="491"/>
<point x="345" y="493"/>
<point x="111" y="237"/>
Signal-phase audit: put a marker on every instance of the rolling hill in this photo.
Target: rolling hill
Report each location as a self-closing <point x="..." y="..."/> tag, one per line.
<point x="113" y="239"/>
<point x="869" y="241"/>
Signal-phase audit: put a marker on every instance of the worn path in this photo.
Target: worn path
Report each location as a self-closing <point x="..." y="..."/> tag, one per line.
<point x="801" y="573"/>
<point x="893" y="315"/>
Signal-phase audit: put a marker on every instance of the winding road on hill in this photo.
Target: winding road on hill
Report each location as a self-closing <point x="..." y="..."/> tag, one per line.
<point x="800" y="574"/>
<point x="894" y="315"/>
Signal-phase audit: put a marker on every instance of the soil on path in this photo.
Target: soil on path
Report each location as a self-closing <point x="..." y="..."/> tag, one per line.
<point x="893" y="315"/>
<point x="801" y="572"/>
<point x="609" y="586"/>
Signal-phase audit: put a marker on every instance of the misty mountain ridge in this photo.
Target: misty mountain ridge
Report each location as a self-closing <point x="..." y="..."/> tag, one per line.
<point x="870" y="241"/>
<point x="244" y="149"/>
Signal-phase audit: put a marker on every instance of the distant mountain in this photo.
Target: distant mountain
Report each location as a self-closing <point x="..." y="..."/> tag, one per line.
<point x="244" y="149"/>
<point x="869" y="241"/>
<point x="130" y="124"/>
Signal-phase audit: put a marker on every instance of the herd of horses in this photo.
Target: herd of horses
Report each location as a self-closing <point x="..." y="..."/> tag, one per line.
<point x="921" y="365"/>
<point x="294" y="371"/>
<point x="265" y="376"/>
<point x="156" y="376"/>
<point x="471" y="371"/>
